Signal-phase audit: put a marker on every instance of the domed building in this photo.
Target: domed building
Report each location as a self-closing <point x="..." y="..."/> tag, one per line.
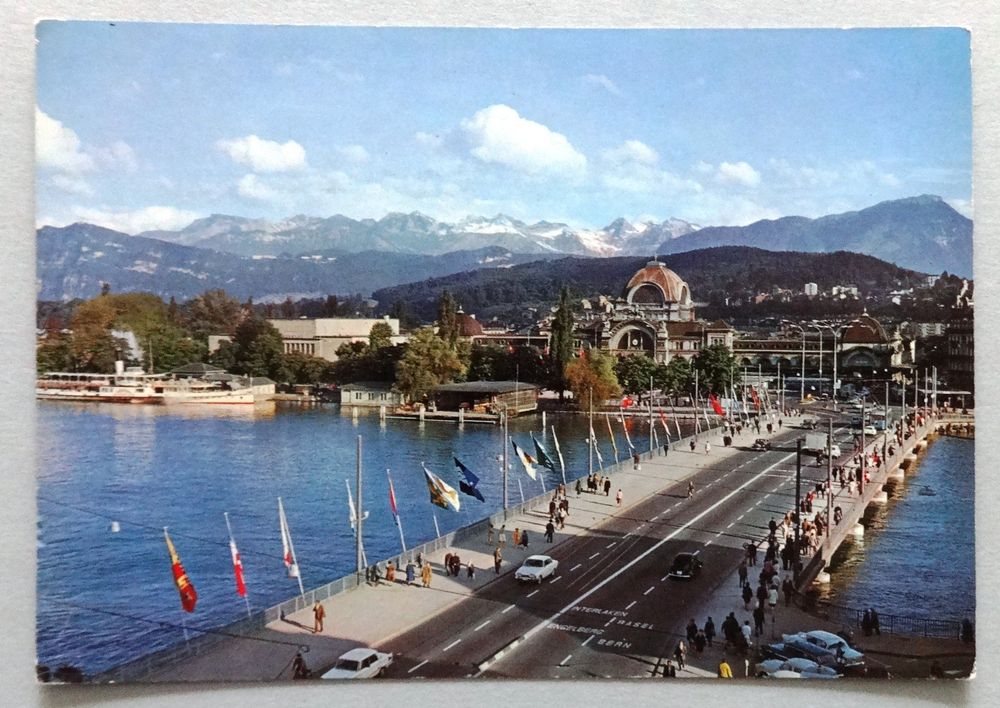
<point x="654" y="316"/>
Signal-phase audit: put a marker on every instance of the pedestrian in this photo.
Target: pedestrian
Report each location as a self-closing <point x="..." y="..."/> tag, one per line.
<point x="497" y="560"/>
<point x="420" y="559"/>
<point x="489" y="535"/>
<point x="502" y="536"/>
<point x="779" y="423"/>
<point x="758" y="620"/>
<point x="390" y="572"/>
<point x="699" y="641"/>
<point x="773" y="526"/>
<point x="690" y="489"/>
<point x="618" y="497"/>
<point x="607" y="487"/>
<point x="447" y="563"/>
<point x="875" y="625"/>
<point x="752" y="553"/>
<point x="635" y="461"/>
<point x="562" y="518"/>
<point x="516" y="537"/>
<point x="578" y="487"/>
<point x="679" y="653"/>
<point x="411" y="573"/>
<point x="708" y="447"/>
<point x="425" y="575"/>
<point x="709" y="630"/>
<point x="299" y="668"/>
<point x="471" y="571"/>
<point x="747" y="596"/>
<point x="550" y="529"/>
<point x="524" y="539"/>
<point x="747" y="633"/>
<point x="725" y="672"/>
<point x="456" y="565"/>
<point x="742" y="570"/>
<point x="691" y="630"/>
<point x="319" y="614"/>
<point x="772" y="597"/>
<point x="761" y="592"/>
<point x="866" y="623"/>
<point x="669" y="671"/>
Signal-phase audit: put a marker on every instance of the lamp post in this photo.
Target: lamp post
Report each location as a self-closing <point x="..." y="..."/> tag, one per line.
<point x="802" y="380"/>
<point x="836" y="329"/>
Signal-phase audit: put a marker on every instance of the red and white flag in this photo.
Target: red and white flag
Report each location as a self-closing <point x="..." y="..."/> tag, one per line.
<point x="716" y="406"/>
<point x="241" y="587"/>
<point x="392" y="499"/>
<point x="287" y="551"/>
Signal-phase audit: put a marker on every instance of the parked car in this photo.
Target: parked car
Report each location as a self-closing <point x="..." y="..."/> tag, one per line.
<point x="824" y="644"/>
<point x="685" y="566"/>
<point x="536" y="569"/>
<point x="761" y="444"/>
<point x="804" y="668"/>
<point x="869" y="430"/>
<point x="359" y="663"/>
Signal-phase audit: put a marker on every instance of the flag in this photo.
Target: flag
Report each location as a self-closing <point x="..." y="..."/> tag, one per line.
<point x="392" y="500"/>
<point x="716" y="406"/>
<point x="241" y="587"/>
<point x="628" y="438"/>
<point x="614" y="443"/>
<point x="627" y="402"/>
<point x="666" y="428"/>
<point x="468" y="485"/>
<point x="441" y="494"/>
<point x="562" y="464"/>
<point x="597" y="450"/>
<point x="184" y="587"/>
<point x="756" y="399"/>
<point x="287" y="552"/>
<point x="543" y="456"/>
<point x="525" y="459"/>
<point x="350" y="505"/>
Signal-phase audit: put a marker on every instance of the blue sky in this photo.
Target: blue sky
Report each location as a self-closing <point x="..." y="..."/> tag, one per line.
<point x="145" y="126"/>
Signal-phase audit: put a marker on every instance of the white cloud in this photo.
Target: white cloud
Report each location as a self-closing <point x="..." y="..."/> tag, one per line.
<point x="264" y="155"/>
<point x="737" y="173"/>
<point x="354" y="153"/>
<point x="643" y="179"/>
<point x="962" y="206"/>
<point x="803" y="176"/>
<point x="428" y="140"/>
<point x="58" y="147"/>
<point x="602" y="81"/>
<point x="631" y="151"/>
<point x="132" y="222"/>
<point x="500" y="135"/>
<point x="118" y="155"/>
<point x="72" y="184"/>
<point x="888" y="179"/>
<point x="704" y="168"/>
<point x="251" y="187"/>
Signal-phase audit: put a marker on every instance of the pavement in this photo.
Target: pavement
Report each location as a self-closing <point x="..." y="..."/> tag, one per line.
<point x="610" y="609"/>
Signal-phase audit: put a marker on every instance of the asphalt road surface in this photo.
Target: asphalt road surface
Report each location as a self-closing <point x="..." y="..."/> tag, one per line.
<point x="610" y="610"/>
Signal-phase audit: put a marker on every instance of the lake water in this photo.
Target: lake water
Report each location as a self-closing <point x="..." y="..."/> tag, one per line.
<point x="103" y="595"/>
<point x="917" y="558"/>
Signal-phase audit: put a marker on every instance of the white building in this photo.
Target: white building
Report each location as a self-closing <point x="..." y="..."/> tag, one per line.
<point x="321" y="337"/>
<point x="811" y="289"/>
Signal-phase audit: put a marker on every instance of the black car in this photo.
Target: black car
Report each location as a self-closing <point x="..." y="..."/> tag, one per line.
<point x="685" y="566"/>
<point x="761" y="444"/>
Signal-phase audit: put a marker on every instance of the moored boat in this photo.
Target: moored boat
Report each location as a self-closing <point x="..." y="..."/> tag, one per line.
<point x="130" y="385"/>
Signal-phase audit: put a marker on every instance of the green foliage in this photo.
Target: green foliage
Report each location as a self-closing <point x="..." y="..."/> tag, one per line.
<point x="428" y="362"/>
<point x="307" y="369"/>
<point x="380" y="336"/>
<point x="447" y="319"/>
<point x="561" y="343"/>
<point x="224" y="357"/>
<point x="92" y="346"/>
<point x="591" y="377"/>
<point x="496" y="363"/>
<point x="259" y="350"/>
<point x="674" y="378"/>
<point x="716" y="367"/>
<point x="54" y="354"/>
<point x="634" y="373"/>
<point x="212" y="312"/>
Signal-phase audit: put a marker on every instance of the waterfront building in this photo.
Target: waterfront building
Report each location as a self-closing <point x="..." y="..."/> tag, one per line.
<point x="487" y="397"/>
<point x="961" y="350"/>
<point x="373" y="394"/>
<point x="321" y="336"/>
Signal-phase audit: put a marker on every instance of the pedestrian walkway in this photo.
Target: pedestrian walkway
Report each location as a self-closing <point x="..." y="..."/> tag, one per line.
<point x="373" y="615"/>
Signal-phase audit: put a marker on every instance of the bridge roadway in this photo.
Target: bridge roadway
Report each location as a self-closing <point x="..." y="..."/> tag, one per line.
<point x="610" y="610"/>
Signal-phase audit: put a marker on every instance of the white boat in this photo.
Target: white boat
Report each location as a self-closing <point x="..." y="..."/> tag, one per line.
<point x="130" y="385"/>
<point x="205" y="393"/>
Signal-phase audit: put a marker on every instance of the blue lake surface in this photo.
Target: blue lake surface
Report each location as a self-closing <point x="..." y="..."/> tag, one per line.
<point x="918" y="556"/>
<point x="103" y="595"/>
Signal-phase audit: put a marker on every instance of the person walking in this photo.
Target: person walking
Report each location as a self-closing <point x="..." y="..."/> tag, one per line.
<point x="866" y="623"/>
<point x="700" y="640"/>
<point x="679" y="653"/>
<point x="788" y="588"/>
<point x="635" y="461"/>
<point x="471" y="570"/>
<point x="390" y="572"/>
<point x="502" y="536"/>
<point x="747" y="631"/>
<point x="319" y="614"/>
<point x="618" y="497"/>
<point x="516" y="537"/>
<point x="524" y="539"/>
<point x="299" y="668"/>
<point x="607" y="486"/>
<point x="550" y="530"/>
<point x="875" y="625"/>
<point x="693" y="446"/>
<point x="489" y="535"/>
<point x="497" y="560"/>
<point x="772" y="597"/>
<point x="691" y="630"/>
<point x="411" y="573"/>
<point x="758" y="620"/>
<point x="709" y="630"/>
<point x="578" y="488"/>
<point x="425" y="575"/>
<point x="747" y="596"/>
<point x="708" y="447"/>
<point x="690" y="489"/>
<point x="725" y="671"/>
<point x="742" y="570"/>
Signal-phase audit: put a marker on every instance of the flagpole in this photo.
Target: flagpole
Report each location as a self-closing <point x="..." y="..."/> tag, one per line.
<point x="437" y="529"/>
<point x="652" y="432"/>
<point x="506" y="463"/>
<point x="399" y="523"/>
<point x="229" y="528"/>
<point x="697" y="424"/>
<point x="562" y="464"/>
<point x="520" y="489"/>
<point x="353" y="519"/>
<point x="358" y="533"/>
<point x="291" y="547"/>
<point x="590" y="439"/>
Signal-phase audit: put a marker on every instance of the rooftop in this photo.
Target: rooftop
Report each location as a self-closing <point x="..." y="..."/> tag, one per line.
<point x="486" y="387"/>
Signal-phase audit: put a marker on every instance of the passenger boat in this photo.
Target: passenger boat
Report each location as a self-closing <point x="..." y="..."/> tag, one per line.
<point x="130" y="385"/>
<point x="204" y="392"/>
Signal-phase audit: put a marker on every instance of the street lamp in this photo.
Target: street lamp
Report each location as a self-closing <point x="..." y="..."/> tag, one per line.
<point x="802" y="380"/>
<point x="836" y="328"/>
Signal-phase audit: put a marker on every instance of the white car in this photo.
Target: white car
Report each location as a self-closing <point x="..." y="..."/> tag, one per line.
<point x="360" y="663"/>
<point x="536" y="569"/>
<point x="805" y="668"/>
<point x="824" y="646"/>
<point x="870" y="431"/>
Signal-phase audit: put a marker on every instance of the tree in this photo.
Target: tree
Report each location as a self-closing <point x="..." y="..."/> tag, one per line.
<point x="428" y="362"/>
<point x="259" y="350"/>
<point x="306" y="369"/>
<point x="561" y="343"/>
<point x="93" y="348"/>
<point x="635" y="372"/>
<point x="225" y="356"/>
<point x="717" y="367"/>
<point x="447" y="319"/>
<point x="675" y="377"/>
<point x="380" y="336"/>
<point x="212" y="312"/>
<point x="592" y="375"/>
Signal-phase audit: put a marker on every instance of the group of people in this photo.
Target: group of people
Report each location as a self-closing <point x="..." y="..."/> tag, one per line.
<point x="596" y="483"/>
<point x="373" y="573"/>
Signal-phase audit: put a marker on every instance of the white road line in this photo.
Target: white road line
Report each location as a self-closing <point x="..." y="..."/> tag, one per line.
<point x="748" y="510"/>
<point x="511" y="607"/>
<point x="597" y="554"/>
<point x="587" y="640"/>
<point x="608" y="546"/>
<point x="563" y="662"/>
<point x="482" y="625"/>
<point x="421" y="664"/>
<point x="718" y="534"/>
<point x="555" y="580"/>
<point x="707" y="543"/>
<point x="664" y="578"/>
<point x="575" y="567"/>
<point x="731" y="525"/>
<point x="639" y="526"/>
<point x="608" y="623"/>
<point x="629" y="606"/>
<point x="759" y="502"/>
<point x="651" y="587"/>
<point x="740" y="517"/>
<point x="652" y="549"/>
<point x="451" y="645"/>
<point x="533" y="592"/>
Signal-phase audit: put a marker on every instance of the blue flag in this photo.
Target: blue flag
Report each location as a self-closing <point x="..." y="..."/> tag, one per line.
<point x="468" y="485"/>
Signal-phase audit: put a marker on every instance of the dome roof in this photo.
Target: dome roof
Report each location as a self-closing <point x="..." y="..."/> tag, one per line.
<point x="467" y="325"/>
<point x="865" y="330"/>
<point x="660" y="277"/>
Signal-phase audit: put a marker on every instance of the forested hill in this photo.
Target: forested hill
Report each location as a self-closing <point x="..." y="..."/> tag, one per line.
<point x="711" y="273"/>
